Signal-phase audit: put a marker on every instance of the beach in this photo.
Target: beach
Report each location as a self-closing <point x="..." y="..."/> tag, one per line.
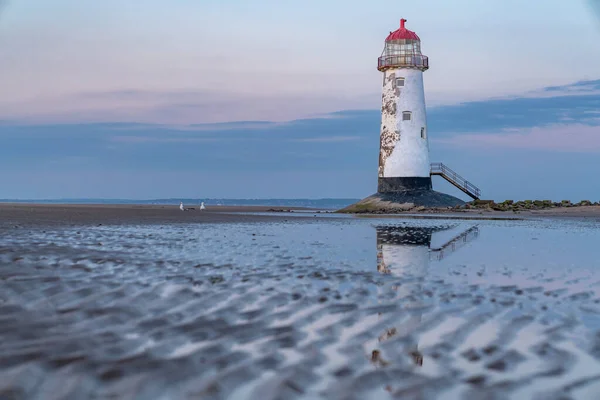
<point x="149" y="302"/>
<point x="36" y="215"/>
<point x="591" y="213"/>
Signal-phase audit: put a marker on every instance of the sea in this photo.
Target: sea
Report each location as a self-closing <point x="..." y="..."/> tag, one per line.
<point x="324" y="204"/>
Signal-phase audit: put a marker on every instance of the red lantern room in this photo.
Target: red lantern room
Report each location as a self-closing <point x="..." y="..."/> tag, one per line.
<point x="402" y="50"/>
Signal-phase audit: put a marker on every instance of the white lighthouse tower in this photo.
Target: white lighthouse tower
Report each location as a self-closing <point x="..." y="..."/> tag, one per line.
<point x="404" y="179"/>
<point x="404" y="146"/>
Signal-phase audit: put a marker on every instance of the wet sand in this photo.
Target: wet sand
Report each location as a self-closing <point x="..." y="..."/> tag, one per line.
<point x="137" y="303"/>
<point x="31" y="215"/>
<point x="584" y="212"/>
<point x="43" y="215"/>
<point x="558" y="212"/>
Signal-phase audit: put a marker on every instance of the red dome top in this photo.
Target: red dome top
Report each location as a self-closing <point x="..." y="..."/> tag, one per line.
<point x="402" y="33"/>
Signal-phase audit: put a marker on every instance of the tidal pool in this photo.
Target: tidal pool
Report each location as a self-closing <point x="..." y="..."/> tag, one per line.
<point x="333" y="307"/>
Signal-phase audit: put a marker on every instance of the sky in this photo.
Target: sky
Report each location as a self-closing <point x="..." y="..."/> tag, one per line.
<point x="213" y="98"/>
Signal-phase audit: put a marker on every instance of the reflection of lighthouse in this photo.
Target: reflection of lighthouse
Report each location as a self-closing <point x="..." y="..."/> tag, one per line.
<point x="406" y="252"/>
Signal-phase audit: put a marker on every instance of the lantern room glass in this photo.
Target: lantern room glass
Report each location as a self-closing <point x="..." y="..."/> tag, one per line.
<point x="404" y="53"/>
<point x="402" y="47"/>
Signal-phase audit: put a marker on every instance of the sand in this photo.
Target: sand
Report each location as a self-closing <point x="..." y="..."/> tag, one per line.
<point x="44" y="215"/>
<point x="324" y="307"/>
<point x="592" y="212"/>
<point x="579" y="212"/>
<point x="109" y="214"/>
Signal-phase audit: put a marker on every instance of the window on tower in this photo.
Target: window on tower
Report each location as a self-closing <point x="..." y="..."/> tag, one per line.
<point x="399" y="82"/>
<point x="423" y="133"/>
<point x="406" y="116"/>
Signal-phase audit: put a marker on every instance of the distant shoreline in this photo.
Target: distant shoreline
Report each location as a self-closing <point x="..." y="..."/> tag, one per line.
<point x="213" y="207"/>
<point x="321" y="203"/>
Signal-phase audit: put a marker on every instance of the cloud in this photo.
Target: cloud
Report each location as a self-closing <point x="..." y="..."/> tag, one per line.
<point x="329" y="139"/>
<point x="474" y="138"/>
<point x="493" y="116"/>
<point x="581" y="87"/>
<point x="341" y="139"/>
<point x="577" y="138"/>
<point x="195" y="109"/>
<point x="295" y="145"/>
<point x="178" y="107"/>
<point x="560" y="119"/>
<point x="148" y="139"/>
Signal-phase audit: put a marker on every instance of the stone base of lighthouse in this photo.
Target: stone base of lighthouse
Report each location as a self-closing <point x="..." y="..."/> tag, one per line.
<point x="403" y="194"/>
<point x="400" y="184"/>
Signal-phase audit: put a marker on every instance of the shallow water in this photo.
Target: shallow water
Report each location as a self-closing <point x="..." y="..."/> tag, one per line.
<point x="333" y="308"/>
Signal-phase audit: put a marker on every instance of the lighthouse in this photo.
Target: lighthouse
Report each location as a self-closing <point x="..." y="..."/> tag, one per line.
<point x="403" y="145"/>
<point x="405" y="170"/>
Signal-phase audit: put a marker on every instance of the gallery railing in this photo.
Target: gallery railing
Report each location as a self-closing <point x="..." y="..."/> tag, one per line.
<point x="403" y="61"/>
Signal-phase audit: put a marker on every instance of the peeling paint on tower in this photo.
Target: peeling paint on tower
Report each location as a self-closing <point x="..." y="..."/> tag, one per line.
<point x="390" y="134"/>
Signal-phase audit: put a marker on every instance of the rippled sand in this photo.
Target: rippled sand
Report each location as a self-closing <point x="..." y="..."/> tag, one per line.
<point x="331" y="308"/>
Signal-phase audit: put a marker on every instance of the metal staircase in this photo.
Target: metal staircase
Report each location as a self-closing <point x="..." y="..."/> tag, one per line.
<point x="456" y="180"/>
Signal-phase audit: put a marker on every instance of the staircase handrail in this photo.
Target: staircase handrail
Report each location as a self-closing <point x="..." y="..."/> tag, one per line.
<point x="452" y="175"/>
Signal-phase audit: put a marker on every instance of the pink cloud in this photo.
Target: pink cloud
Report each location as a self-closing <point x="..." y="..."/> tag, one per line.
<point x="329" y="139"/>
<point x="146" y="139"/>
<point x="576" y="138"/>
<point x="178" y="107"/>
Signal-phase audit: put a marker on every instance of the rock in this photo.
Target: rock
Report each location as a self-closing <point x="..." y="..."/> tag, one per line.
<point x="396" y="202"/>
<point x="482" y="203"/>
